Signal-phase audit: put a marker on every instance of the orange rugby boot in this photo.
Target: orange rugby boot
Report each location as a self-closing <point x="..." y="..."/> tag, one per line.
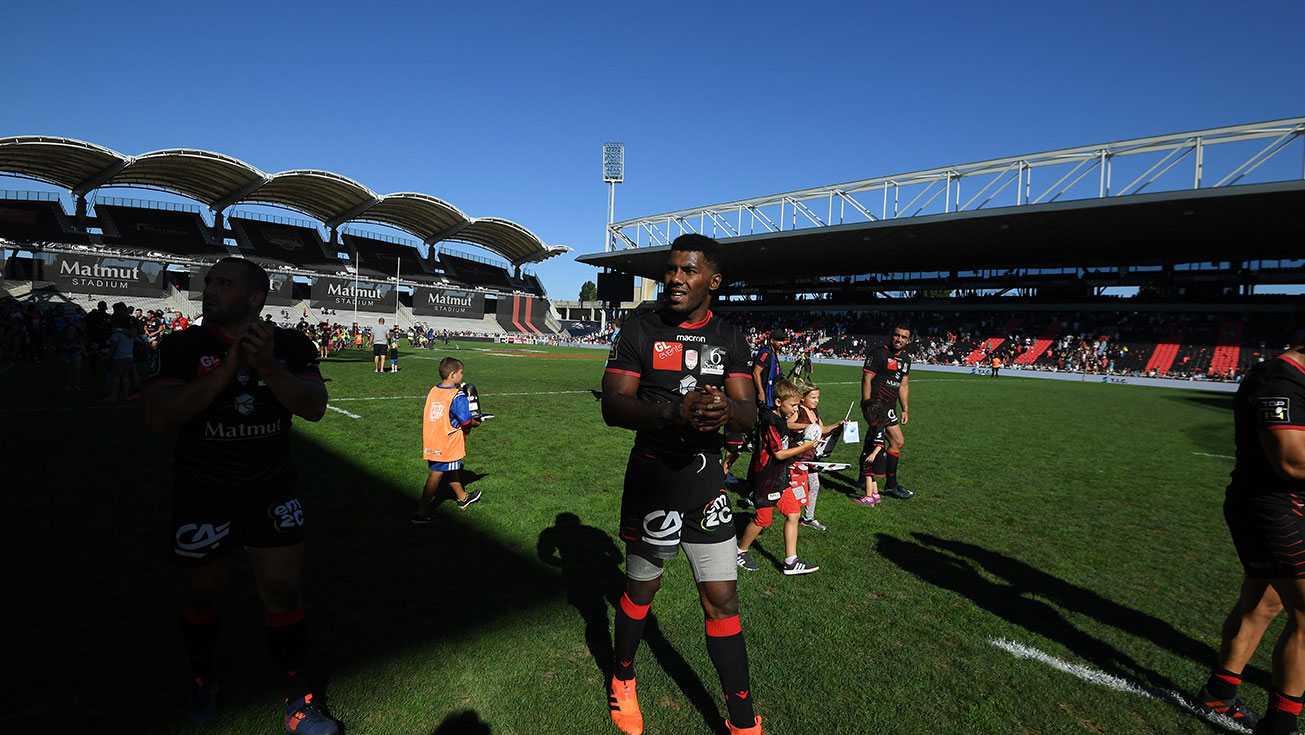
<point x="624" y="705"/>
<point x="754" y="730"/>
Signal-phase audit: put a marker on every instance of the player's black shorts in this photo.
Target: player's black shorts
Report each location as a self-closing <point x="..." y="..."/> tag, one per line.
<point x="672" y="498"/>
<point x="378" y="350"/>
<point x="1268" y="532"/>
<point x="736" y="441"/>
<point x="209" y="522"/>
<point x="892" y="411"/>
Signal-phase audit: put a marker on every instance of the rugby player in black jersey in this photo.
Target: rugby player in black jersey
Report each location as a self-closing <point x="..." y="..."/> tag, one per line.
<point x="677" y="377"/>
<point x="231" y="388"/>
<point x="1262" y="507"/>
<point x="884" y="379"/>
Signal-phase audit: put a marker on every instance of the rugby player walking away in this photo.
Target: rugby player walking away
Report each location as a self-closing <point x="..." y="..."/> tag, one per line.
<point x="1261" y="507"/>
<point x="677" y="377"/>
<point x="378" y="345"/>
<point x="232" y="387"/>
<point x="884" y="379"/>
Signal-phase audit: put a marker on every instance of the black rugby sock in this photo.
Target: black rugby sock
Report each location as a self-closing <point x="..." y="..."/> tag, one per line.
<point x="729" y="654"/>
<point x="630" y="621"/>
<point x="1282" y="714"/>
<point x="890" y="469"/>
<point x="287" y="641"/>
<point x="199" y="633"/>
<point x="1222" y="684"/>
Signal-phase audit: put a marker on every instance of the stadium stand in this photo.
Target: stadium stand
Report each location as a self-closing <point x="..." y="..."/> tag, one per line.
<point x="178" y="231"/>
<point x="282" y="242"/>
<point x="33" y="220"/>
<point x="1114" y="343"/>
<point x="525" y="314"/>
<point x="380" y="256"/>
<point x="475" y="273"/>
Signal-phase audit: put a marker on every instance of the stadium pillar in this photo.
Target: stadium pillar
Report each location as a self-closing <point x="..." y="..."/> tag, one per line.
<point x="219" y="227"/>
<point x="80" y="211"/>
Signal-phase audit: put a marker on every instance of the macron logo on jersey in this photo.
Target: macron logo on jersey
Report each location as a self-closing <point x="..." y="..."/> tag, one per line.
<point x="668" y="356"/>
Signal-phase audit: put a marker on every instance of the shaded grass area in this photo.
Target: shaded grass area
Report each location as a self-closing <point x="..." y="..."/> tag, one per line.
<point x="1074" y="518"/>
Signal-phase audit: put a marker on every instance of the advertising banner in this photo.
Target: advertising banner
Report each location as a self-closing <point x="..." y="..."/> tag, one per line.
<point x="340" y="294"/>
<point x="280" y="293"/>
<point x="95" y="275"/>
<point x="427" y="301"/>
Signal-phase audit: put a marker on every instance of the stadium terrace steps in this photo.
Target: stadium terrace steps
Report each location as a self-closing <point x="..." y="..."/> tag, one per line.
<point x="453" y="324"/>
<point x="1228" y="350"/>
<point x="1162" y="359"/>
<point x="489" y="323"/>
<point x="986" y="348"/>
<point x="1031" y="356"/>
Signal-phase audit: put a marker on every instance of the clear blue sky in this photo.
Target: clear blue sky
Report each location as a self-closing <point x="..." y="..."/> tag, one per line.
<point x="502" y="108"/>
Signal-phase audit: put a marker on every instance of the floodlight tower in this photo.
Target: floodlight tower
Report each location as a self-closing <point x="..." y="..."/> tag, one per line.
<point x="613" y="174"/>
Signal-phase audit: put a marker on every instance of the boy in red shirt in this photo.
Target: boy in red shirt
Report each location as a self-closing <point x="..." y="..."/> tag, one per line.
<point x="775" y="483"/>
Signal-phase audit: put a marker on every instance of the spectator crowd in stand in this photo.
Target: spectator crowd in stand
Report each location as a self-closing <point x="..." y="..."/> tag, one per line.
<point x="1094" y="342"/>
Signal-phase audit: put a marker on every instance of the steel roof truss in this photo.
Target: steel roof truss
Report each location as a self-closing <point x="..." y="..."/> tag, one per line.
<point x="100" y="177"/>
<point x="353" y="213"/>
<point x="717" y="220"/>
<point x="239" y="194"/>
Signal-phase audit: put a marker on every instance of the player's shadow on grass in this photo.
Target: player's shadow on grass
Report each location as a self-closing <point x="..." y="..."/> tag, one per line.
<point x="590" y="563"/>
<point x="837" y="482"/>
<point x="1222" y="401"/>
<point x="376" y="588"/>
<point x="1018" y="597"/>
<point x="466" y="722"/>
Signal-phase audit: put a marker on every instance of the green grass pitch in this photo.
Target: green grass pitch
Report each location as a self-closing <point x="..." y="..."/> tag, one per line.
<point x="1081" y="520"/>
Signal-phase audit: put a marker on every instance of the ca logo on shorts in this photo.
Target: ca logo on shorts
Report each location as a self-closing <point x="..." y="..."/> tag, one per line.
<point x="193" y="538"/>
<point x="662" y="527"/>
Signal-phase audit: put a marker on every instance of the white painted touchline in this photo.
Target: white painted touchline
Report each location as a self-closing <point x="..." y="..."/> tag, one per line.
<point x="1220" y="456"/>
<point x="1101" y="678"/>
<point x="341" y="410"/>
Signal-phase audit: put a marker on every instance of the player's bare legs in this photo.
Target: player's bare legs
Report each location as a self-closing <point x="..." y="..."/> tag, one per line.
<point x="1289" y="654"/>
<point x="277" y="572"/>
<point x="1256" y="607"/>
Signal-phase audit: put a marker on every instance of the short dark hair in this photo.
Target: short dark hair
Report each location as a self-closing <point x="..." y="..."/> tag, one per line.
<point x="256" y="278"/>
<point x="902" y="326"/>
<point x="449" y="366"/>
<point x="695" y="243"/>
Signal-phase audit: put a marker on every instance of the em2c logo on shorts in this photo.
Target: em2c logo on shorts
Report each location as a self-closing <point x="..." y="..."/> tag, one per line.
<point x="287" y="515"/>
<point x="668" y="356"/>
<point x="717" y="513"/>
<point x="1274" y="409"/>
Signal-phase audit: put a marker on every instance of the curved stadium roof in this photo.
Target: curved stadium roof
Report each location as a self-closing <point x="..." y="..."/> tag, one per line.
<point x="219" y="181"/>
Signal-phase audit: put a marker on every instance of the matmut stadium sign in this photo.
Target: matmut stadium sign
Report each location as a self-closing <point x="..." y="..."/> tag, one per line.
<point x="333" y="293"/>
<point x="82" y="274"/>
<point x="428" y="301"/>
